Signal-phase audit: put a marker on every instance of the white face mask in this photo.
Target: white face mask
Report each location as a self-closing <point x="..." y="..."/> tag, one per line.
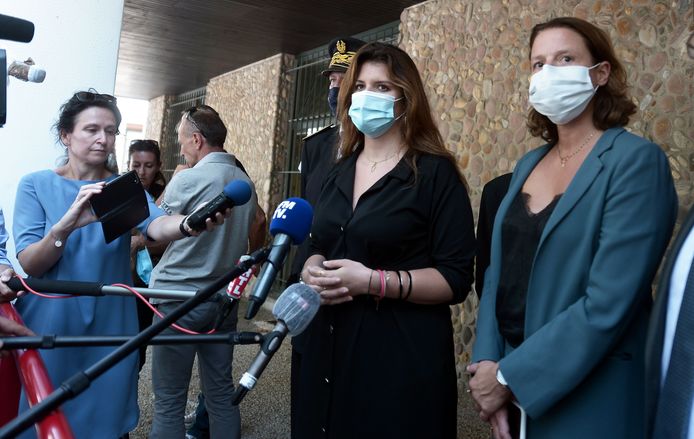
<point x="561" y="93"/>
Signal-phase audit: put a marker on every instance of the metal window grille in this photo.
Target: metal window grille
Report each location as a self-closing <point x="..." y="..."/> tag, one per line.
<point x="170" y="156"/>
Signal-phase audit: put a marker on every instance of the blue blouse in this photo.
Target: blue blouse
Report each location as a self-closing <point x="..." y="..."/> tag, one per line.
<point x="108" y="408"/>
<point x="3" y="240"/>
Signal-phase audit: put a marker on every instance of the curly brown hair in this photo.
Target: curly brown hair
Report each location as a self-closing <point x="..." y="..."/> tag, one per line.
<point x="612" y="105"/>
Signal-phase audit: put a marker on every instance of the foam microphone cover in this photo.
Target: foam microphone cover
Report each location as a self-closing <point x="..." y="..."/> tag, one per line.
<point x="296" y="307"/>
<point x="238" y="191"/>
<point x="235" y="193"/>
<point x="16" y="29"/>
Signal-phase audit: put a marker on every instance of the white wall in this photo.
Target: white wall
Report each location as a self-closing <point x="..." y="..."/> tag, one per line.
<point x="134" y="112"/>
<point x="76" y="41"/>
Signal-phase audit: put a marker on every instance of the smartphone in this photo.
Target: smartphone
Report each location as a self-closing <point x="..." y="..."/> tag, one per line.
<point x="121" y="205"/>
<point x="517" y="420"/>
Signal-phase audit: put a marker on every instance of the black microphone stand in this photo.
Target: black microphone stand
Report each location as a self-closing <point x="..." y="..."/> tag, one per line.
<point x="79" y="382"/>
<point x="57" y="341"/>
<point x="80" y="288"/>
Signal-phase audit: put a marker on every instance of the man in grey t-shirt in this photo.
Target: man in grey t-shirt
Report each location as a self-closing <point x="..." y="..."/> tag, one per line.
<point x="193" y="264"/>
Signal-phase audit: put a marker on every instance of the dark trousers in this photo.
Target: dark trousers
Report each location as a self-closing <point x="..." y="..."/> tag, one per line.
<point x="201" y="426"/>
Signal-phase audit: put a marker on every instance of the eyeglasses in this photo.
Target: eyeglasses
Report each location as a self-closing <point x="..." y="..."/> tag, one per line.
<point x="192" y="110"/>
<point x="91" y="95"/>
<point x="189" y="117"/>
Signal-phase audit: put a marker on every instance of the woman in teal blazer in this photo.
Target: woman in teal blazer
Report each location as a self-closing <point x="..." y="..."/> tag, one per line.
<point x="576" y="243"/>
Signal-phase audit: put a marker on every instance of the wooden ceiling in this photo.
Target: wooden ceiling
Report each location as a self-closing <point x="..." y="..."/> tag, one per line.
<point x="170" y="47"/>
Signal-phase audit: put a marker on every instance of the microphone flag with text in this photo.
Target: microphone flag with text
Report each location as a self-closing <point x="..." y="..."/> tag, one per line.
<point x="235" y="193"/>
<point x="234" y="292"/>
<point x="294" y="310"/>
<point x="290" y="224"/>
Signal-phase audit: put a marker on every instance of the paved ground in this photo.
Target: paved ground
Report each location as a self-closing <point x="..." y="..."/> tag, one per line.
<point x="265" y="410"/>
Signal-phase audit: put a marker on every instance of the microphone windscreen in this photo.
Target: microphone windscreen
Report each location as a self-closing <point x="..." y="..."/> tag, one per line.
<point x="16" y="29"/>
<point x="238" y="191"/>
<point x="292" y="217"/>
<point x="296" y="307"/>
<point x="36" y="74"/>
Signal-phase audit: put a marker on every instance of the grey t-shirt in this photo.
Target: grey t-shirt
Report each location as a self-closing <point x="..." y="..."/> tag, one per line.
<point x="193" y="263"/>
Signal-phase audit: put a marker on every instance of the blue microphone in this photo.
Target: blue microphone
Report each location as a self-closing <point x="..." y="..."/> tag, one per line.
<point x="236" y="193"/>
<point x="290" y="224"/>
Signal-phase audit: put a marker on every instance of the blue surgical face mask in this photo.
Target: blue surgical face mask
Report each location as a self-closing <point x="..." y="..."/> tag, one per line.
<point x="373" y="113"/>
<point x="332" y="99"/>
<point x="144" y="265"/>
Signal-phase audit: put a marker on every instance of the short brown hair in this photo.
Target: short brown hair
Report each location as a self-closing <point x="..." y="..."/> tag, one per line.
<point x="207" y="121"/>
<point x="612" y="105"/>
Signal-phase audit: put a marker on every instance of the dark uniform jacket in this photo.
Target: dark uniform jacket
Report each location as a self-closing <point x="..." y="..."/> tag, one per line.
<point x="317" y="158"/>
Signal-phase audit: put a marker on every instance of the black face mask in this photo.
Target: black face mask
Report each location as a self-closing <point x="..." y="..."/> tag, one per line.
<point x="332" y="99"/>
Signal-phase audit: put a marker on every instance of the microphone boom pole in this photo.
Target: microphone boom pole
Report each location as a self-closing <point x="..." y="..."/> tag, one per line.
<point x="56" y="341"/>
<point x="79" y="382"/>
<point x="79" y="288"/>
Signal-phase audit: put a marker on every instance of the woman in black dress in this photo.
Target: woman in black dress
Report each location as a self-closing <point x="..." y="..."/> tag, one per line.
<point x="392" y="248"/>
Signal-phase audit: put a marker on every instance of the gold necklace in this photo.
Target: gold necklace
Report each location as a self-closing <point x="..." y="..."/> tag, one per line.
<point x="564" y="159"/>
<point x="376" y="163"/>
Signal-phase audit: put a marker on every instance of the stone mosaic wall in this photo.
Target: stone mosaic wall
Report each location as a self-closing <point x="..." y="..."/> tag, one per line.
<point x="156" y="115"/>
<point x="473" y="58"/>
<point x="253" y="102"/>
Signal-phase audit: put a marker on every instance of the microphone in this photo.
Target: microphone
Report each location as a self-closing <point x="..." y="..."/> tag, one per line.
<point x="26" y="71"/>
<point x="16" y="29"/>
<point x="290" y="224"/>
<point x="294" y="310"/>
<point x="235" y="193"/>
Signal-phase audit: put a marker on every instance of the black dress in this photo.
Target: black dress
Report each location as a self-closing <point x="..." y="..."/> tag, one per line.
<point x="388" y="371"/>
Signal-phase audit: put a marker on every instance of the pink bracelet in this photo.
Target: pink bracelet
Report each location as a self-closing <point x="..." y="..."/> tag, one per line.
<point x="382" y="276"/>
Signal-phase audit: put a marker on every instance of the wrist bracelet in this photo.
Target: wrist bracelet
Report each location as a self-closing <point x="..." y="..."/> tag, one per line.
<point x="182" y="228"/>
<point x="399" y="284"/>
<point x="368" y="290"/>
<point x="409" y="287"/>
<point x="382" y="293"/>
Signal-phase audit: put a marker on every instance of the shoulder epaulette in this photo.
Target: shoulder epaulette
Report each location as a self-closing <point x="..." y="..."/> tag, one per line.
<point x="321" y="131"/>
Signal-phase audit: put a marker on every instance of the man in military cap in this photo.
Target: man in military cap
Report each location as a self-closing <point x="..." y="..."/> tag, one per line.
<point x="320" y="148"/>
<point x="317" y="156"/>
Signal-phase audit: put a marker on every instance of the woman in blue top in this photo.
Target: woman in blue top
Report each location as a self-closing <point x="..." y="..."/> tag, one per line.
<point x="57" y="237"/>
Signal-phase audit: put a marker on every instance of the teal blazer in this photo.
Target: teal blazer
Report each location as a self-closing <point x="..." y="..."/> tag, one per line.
<point x="579" y="371"/>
